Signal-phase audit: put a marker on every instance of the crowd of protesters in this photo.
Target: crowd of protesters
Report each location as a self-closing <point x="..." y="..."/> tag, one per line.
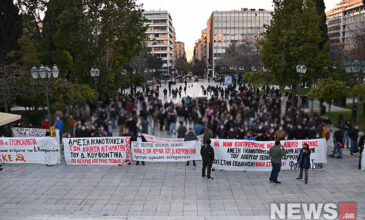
<point x="225" y="112"/>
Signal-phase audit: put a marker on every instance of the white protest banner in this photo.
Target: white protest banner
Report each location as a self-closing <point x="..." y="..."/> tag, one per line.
<point x="166" y="152"/>
<point x="97" y="151"/>
<point x="154" y="139"/>
<point x="32" y="132"/>
<point x="246" y="155"/>
<point x="28" y="132"/>
<point x="42" y="150"/>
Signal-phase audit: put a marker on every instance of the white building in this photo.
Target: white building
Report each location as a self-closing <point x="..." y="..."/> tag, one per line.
<point x="239" y="26"/>
<point x="343" y="21"/>
<point x="161" y="37"/>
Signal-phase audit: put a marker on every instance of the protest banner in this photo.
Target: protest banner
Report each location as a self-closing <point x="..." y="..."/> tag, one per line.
<point x="166" y="151"/>
<point x="246" y="155"/>
<point x="41" y="150"/>
<point x="154" y="139"/>
<point x="97" y="151"/>
<point x="34" y="132"/>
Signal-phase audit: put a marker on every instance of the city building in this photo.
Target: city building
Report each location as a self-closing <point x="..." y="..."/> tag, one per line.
<point x="343" y="21"/>
<point x="180" y="50"/>
<point x="161" y="38"/>
<point x="239" y="26"/>
<point x="201" y="47"/>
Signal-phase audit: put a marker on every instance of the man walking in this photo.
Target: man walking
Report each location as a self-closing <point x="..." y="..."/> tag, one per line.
<point x="207" y="154"/>
<point x="276" y="153"/>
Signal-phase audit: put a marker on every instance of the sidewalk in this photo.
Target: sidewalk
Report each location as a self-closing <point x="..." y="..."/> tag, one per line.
<point x="167" y="189"/>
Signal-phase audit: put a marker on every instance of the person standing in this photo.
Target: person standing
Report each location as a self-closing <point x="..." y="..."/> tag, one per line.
<point x="45" y="124"/>
<point x="59" y="126"/>
<point x="181" y="131"/>
<point x="304" y="162"/>
<point x="337" y="138"/>
<point x="361" y="146"/>
<point x="276" y="153"/>
<point x="353" y="134"/>
<point x="190" y="136"/>
<point x="207" y="154"/>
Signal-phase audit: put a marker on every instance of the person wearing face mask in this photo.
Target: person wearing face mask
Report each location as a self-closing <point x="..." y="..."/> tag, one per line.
<point x="361" y="146"/>
<point x="304" y="162"/>
<point x="221" y="132"/>
<point x="280" y="133"/>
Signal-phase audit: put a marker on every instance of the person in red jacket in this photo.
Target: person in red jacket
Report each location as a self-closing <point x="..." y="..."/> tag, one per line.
<point x="45" y="124"/>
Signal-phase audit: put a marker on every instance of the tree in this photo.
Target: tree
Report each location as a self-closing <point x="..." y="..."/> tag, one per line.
<point x="353" y="94"/>
<point x="244" y="55"/>
<point x="181" y="65"/>
<point x="291" y="39"/>
<point x="321" y="11"/>
<point x="328" y="90"/>
<point x="10" y="32"/>
<point x="254" y="79"/>
<point x="199" y="67"/>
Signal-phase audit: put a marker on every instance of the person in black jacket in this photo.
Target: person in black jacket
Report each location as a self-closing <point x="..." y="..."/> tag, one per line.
<point x="361" y="146"/>
<point x="303" y="161"/>
<point x="337" y="142"/>
<point x="139" y="138"/>
<point x="207" y="154"/>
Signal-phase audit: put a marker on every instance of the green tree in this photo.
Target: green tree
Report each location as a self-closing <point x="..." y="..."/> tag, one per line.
<point x="293" y="38"/>
<point x="10" y="32"/>
<point x="199" y="67"/>
<point x="254" y="79"/>
<point x="182" y="65"/>
<point x="321" y="11"/>
<point x="328" y="90"/>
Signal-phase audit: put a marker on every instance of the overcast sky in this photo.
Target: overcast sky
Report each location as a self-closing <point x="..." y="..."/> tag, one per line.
<point x="189" y="17"/>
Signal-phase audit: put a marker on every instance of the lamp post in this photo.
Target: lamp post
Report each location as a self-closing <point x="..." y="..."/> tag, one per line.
<point x="301" y="70"/>
<point x="94" y="73"/>
<point x="357" y="69"/>
<point x="45" y="73"/>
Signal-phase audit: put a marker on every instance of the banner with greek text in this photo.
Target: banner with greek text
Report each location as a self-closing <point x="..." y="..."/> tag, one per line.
<point x="166" y="152"/>
<point x="32" y="132"/>
<point x="246" y="155"/>
<point x="97" y="151"/>
<point x="154" y="139"/>
<point x="41" y="150"/>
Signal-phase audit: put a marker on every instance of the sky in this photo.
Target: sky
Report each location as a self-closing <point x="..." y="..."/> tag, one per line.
<point x="189" y="17"/>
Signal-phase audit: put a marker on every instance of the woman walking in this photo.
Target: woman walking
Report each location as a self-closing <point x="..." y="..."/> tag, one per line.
<point x="304" y="162"/>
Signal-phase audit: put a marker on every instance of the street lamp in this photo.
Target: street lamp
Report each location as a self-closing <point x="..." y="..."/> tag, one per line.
<point x="45" y="73"/>
<point x="358" y="69"/>
<point x="253" y="68"/>
<point x="94" y="73"/>
<point x="301" y="70"/>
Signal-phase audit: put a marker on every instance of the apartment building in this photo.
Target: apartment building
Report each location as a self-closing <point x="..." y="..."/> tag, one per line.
<point x="161" y="38"/>
<point x="343" y="22"/>
<point x="239" y="26"/>
<point x="180" y="50"/>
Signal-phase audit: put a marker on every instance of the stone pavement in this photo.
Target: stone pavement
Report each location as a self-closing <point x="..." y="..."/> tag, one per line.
<point x="168" y="190"/>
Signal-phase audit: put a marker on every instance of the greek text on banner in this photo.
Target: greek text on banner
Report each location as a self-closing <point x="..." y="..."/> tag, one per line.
<point x="97" y="151"/>
<point x="166" y="152"/>
<point x="245" y="155"/>
<point x="41" y="150"/>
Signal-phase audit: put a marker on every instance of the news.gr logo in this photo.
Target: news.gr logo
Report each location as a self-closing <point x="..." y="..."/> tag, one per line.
<point x="341" y="211"/>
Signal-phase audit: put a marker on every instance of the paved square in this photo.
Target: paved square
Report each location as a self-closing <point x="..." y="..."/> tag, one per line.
<point x="167" y="189"/>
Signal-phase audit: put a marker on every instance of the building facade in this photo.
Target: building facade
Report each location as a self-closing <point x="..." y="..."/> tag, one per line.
<point x="237" y="26"/>
<point x="201" y="47"/>
<point x="161" y="37"/>
<point x="180" y="50"/>
<point x="343" y="21"/>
